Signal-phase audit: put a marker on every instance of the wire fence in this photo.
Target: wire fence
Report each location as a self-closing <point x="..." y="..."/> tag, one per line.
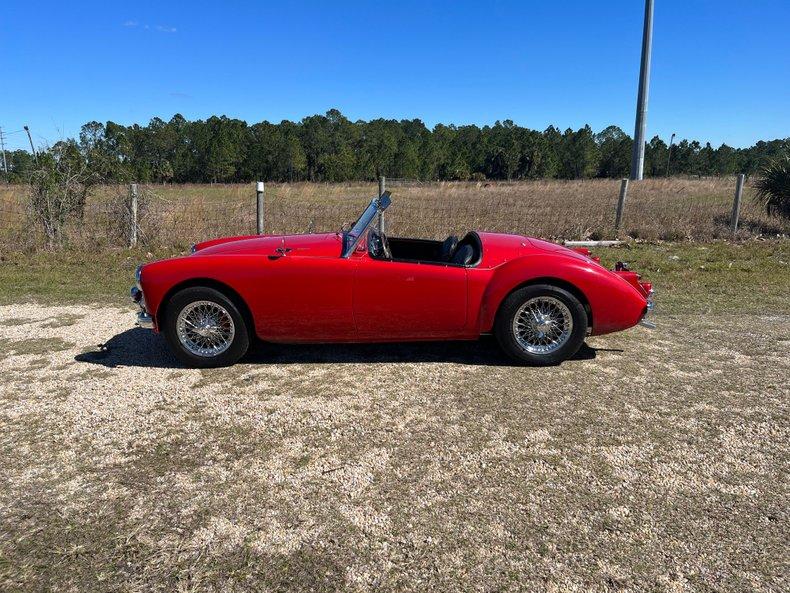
<point x="176" y="216"/>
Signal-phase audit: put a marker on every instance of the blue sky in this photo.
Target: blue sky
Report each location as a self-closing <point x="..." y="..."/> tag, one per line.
<point x="721" y="69"/>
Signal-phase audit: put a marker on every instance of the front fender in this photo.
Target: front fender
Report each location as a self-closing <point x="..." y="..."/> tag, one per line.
<point x="614" y="303"/>
<point x="238" y="272"/>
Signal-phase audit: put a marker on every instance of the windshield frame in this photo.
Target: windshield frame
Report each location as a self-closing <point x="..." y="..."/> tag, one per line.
<point x="352" y="237"/>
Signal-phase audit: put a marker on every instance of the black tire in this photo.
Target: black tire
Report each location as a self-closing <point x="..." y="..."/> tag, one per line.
<point x="182" y="299"/>
<point x="506" y="336"/>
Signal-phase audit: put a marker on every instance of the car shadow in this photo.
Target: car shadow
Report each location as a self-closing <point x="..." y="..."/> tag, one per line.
<point x="143" y="348"/>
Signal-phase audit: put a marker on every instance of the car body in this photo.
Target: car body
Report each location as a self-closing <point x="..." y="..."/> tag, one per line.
<point x="334" y="287"/>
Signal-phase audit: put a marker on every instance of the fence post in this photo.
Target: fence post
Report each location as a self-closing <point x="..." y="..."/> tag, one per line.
<point x="382" y="189"/>
<point x="618" y="218"/>
<point x="736" y="203"/>
<point x="133" y="209"/>
<point x="259" y="201"/>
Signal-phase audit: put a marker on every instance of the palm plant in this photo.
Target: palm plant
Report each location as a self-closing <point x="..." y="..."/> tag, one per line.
<point x="773" y="187"/>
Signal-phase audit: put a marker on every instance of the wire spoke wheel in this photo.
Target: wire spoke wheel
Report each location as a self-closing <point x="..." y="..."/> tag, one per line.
<point x="542" y="325"/>
<point x="205" y="328"/>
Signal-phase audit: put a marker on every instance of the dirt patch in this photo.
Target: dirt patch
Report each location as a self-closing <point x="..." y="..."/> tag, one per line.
<point x="654" y="461"/>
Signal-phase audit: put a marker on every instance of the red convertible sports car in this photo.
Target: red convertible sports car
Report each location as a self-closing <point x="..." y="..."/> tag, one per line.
<point x="539" y="299"/>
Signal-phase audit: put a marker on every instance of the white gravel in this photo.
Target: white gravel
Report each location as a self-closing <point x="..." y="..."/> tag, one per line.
<point x="657" y="461"/>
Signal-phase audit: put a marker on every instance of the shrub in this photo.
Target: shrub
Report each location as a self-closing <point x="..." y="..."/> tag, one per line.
<point x="59" y="186"/>
<point x="773" y="187"/>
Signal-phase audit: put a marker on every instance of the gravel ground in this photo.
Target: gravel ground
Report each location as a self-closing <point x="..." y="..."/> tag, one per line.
<point x="653" y="461"/>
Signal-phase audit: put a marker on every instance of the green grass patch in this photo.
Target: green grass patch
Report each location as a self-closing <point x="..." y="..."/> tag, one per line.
<point x="65" y="277"/>
<point x="718" y="277"/>
<point x="63" y="321"/>
<point x="33" y="346"/>
<point x="16" y="321"/>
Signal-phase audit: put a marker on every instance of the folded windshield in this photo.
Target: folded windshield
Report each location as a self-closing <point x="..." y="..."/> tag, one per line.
<point x="352" y="237"/>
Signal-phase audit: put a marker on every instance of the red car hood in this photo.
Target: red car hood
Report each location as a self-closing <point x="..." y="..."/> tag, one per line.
<point x="316" y="245"/>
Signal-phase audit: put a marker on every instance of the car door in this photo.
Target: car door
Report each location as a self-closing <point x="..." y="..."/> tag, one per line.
<point x="404" y="300"/>
<point x="305" y="299"/>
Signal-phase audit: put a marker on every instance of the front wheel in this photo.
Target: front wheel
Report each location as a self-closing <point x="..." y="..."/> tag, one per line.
<point x="541" y="325"/>
<point x="204" y="328"/>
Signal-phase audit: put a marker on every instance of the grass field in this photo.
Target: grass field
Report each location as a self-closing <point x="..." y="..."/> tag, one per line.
<point x="751" y="276"/>
<point x="178" y="215"/>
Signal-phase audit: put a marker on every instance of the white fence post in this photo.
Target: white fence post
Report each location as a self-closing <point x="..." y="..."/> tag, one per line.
<point x="259" y="202"/>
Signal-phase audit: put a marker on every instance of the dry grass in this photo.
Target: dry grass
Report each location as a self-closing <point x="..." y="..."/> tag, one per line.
<point x="655" y="462"/>
<point x="175" y="216"/>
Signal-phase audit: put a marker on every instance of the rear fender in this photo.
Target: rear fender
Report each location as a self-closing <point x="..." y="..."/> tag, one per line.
<point x="615" y="304"/>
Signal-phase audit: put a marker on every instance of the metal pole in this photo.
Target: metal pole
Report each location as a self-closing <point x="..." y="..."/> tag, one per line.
<point x="618" y="217"/>
<point x="133" y="208"/>
<point x="638" y="157"/>
<point x="259" y="207"/>
<point x="382" y="189"/>
<point x="669" y="154"/>
<point x="33" y="148"/>
<point x="2" y="148"/>
<point x="736" y="203"/>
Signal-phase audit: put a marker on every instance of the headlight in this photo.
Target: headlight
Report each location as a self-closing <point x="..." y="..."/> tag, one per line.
<point x="138" y="274"/>
<point x="193" y="248"/>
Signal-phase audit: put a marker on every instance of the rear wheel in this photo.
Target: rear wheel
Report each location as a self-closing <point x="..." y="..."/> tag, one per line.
<point x="204" y="328"/>
<point x="541" y="325"/>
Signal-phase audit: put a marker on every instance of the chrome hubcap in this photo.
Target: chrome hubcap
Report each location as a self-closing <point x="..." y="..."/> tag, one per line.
<point x="542" y="325"/>
<point x="205" y="328"/>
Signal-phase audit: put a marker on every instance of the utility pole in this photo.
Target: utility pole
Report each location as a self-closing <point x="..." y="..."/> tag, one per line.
<point x="638" y="157"/>
<point x="2" y="149"/>
<point x="33" y="148"/>
<point x="669" y="152"/>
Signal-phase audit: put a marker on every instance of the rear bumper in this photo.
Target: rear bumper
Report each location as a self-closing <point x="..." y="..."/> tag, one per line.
<point x="645" y="322"/>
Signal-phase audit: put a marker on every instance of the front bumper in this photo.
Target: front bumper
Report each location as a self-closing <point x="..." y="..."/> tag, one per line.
<point x="144" y="319"/>
<point x="649" y="309"/>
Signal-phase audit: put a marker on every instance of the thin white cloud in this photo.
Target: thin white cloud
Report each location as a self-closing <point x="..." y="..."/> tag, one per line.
<point x="147" y="27"/>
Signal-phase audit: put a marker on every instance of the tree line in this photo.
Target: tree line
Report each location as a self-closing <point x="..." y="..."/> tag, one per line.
<point x="330" y="147"/>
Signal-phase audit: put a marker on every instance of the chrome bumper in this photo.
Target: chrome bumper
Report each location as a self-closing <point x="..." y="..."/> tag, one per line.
<point x="144" y="320"/>
<point x="650" y="305"/>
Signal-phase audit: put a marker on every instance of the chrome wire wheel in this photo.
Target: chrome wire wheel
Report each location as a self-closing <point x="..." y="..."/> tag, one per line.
<point x="542" y="325"/>
<point x="205" y="328"/>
